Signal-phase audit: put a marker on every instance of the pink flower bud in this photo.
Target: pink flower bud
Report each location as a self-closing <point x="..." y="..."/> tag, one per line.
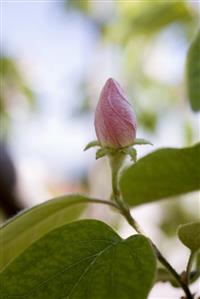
<point x="115" y="121"/>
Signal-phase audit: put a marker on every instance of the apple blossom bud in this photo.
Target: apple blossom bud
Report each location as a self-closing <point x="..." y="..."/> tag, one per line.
<point x="115" y="121"/>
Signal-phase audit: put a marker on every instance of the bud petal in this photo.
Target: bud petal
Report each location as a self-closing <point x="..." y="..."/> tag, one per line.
<point x="115" y="121"/>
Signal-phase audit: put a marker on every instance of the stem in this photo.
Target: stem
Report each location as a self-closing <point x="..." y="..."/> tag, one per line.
<point x="125" y="211"/>
<point x="116" y="161"/>
<point x="159" y="255"/>
<point x="167" y="265"/>
<point x="189" y="266"/>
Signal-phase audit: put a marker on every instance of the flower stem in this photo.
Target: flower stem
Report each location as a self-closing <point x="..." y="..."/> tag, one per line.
<point x="116" y="160"/>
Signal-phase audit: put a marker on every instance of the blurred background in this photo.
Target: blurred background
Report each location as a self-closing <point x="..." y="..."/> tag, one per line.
<point x="55" y="58"/>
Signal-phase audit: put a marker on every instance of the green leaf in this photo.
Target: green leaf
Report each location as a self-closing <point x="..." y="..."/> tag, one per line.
<point x="189" y="234"/>
<point x="193" y="73"/>
<point x="92" y="144"/>
<point x="163" y="173"/>
<point x="24" y="229"/>
<point x="84" y="259"/>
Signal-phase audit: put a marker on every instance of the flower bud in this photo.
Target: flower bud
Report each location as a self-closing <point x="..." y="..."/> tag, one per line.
<point x="115" y="121"/>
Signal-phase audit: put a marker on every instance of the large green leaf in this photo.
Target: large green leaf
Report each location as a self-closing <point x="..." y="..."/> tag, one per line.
<point x="27" y="227"/>
<point x="193" y="73"/>
<point x="84" y="259"/>
<point x="163" y="173"/>
<point x="189" y="234"/>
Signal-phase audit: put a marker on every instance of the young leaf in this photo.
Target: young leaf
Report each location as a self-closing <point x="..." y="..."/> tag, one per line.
<point x="27" y="227"/>
<point x="193" y="73"/>
<point x="163" y="275"/>
<point x="189" y="234"/>
<point x="194" y="275"/>
<point x="84" y="259"/>
<point x="163" y="173"/>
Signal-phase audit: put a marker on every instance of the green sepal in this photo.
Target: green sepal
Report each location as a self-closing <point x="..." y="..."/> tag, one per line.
<point x="141" y="141"/>
<point x="92" y="144"/>
<point x="101" y="152"/>
<point x="131" y="152"/>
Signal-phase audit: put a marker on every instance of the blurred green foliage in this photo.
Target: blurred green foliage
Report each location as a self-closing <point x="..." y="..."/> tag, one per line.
<point x="138" y="16"/>
<point x="78" y="4"/>
<point x="13" y="85"/>
<point x="148" y="17"/>
<point x="175" y="214"/>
